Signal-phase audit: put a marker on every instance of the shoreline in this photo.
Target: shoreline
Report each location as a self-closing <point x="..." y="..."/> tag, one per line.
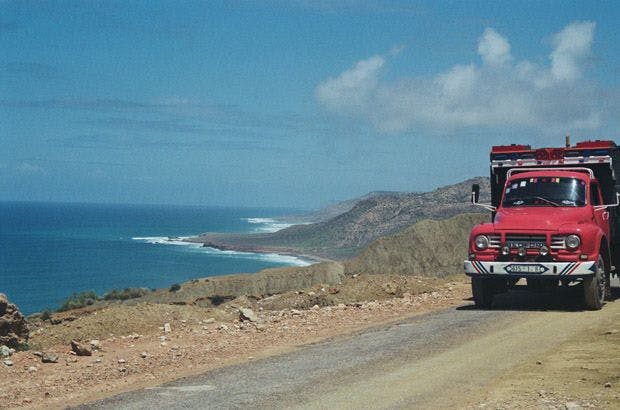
<point x="259" y="250"/>
<point x="305" y="258"/>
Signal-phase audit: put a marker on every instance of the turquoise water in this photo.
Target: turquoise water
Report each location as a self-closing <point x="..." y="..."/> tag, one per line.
<point x="49" y="251"/>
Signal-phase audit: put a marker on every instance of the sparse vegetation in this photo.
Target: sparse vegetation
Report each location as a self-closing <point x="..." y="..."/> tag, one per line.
<point x="175" y="287"/>
<point x="78" y="300"/>
<point x="124" y="294"/>
<point x="46" y="315"/>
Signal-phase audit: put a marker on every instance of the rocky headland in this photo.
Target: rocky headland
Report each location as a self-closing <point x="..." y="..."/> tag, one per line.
<point x="365" y="220"/>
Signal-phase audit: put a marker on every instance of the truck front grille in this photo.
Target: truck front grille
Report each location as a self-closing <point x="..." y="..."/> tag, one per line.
<point x="494" y="241"/>
<point x="527" y="241"/>
<point x="558" y="242"/>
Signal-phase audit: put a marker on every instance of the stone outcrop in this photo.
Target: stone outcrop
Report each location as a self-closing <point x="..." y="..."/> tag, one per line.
<point x="246" y="314"/>
<point x="13" y="326"/>
<point x="81" y="349"/>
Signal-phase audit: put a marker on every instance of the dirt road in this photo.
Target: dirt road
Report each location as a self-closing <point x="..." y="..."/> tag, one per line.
<point x="552" y="356"/>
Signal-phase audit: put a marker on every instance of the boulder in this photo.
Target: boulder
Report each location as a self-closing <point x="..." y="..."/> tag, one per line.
<point x="81" y="349"/>
<point x="4" y="302"/>
<point x="13" y="326"/>
<point x="49" y="358"/>
<point x="5" y="351"/>
<point x="246" y="314"/>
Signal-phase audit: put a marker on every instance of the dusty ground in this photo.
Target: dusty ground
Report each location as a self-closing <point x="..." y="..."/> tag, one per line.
<point x="137" y="352"/>
<point x="582" y="371"/>
<point x="196" y="343"/>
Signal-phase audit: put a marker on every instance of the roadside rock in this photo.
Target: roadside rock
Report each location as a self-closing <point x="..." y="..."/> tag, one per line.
<point x="80" y="349"/>
<point x="49" y="358"/>
<point x="13" y="327"/>
<point x="8" y="363"/>
<point x="247" y="314"/>
<point x="5" y="351"/>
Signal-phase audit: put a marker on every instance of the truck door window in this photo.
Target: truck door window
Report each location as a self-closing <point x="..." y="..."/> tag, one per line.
<point x="545" y="191"/>
<point x="594" y="196"/>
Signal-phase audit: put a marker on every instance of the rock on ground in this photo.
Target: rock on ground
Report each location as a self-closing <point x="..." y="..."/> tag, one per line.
<point x="13" y="326"/>
<point x="248" y="314"/>
<point x="81" y="349"/>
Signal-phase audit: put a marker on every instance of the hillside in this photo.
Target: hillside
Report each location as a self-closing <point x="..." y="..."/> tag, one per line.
<point x="428" y="248"/>
<point x="346" y="234"/>
<point x="332" y="210"/>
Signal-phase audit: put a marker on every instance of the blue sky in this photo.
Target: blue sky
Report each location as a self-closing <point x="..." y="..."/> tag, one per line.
<point x="290" y="103"/>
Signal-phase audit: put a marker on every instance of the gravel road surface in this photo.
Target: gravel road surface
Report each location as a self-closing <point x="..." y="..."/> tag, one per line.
<point x="439" y="360"/>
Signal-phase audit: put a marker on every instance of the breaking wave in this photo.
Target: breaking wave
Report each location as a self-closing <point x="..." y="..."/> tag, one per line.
<point x="197" y="247"/>
<point x="267" y="224"/>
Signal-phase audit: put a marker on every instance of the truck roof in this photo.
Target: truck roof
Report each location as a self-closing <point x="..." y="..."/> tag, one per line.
<point x="585" y="176"/>
<point x="602" y="157"/>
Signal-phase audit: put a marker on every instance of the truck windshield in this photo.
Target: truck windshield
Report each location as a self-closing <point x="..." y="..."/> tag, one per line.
<point x="547" y="191"/>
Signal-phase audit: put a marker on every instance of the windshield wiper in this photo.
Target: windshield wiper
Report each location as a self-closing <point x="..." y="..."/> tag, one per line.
<point x="546" y="200"/>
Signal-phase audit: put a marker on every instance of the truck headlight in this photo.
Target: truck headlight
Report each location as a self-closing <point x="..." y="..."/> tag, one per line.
<point x="482" y="242"/>
<point x="572" y="242"/>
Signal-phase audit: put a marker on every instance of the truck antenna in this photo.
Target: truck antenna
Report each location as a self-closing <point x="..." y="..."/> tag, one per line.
<point x="567" y="141"/>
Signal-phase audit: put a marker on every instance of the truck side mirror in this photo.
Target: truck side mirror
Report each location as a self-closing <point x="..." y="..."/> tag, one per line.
<point x="475" y="193"/>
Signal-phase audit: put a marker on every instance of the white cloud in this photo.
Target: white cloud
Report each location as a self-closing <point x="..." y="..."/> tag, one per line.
<point x="493" y="48"/>
<point x="497" y="93"/>
<point x="354" y="86"/>
<point x="571" y="46"/>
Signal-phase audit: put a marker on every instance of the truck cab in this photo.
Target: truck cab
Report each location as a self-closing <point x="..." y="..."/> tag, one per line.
<point x="550" y="225"/>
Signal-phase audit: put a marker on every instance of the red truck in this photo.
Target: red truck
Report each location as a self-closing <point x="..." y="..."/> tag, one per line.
<point x="555" y="221"/>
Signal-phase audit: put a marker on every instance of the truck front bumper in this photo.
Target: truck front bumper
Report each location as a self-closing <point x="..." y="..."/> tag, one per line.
<point x="529" y="269"/>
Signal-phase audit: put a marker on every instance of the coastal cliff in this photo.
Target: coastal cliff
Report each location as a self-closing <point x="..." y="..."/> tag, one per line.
<point x="345" y="235"/>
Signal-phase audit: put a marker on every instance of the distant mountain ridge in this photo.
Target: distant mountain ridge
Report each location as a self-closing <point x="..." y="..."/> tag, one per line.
<point x="374" y="216"/>
<point x="334" y="209"/>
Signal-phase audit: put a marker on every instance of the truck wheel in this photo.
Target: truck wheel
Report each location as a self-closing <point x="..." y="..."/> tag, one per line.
<point x="483" y="291"/>
<point x="594" y="286"/>
<point x="608" y="287"/>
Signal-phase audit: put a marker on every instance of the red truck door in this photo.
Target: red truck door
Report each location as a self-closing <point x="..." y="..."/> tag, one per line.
<point x="601" y="215"/>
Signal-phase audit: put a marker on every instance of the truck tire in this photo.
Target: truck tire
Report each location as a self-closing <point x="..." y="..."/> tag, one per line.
<point x="608" y="296"/>
<point x="594" y="286"/>
<point x="483" y="291"/>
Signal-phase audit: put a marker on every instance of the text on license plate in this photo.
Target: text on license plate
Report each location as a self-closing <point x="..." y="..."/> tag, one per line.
<point x="534" y="268"/>
<point x="526" y="244"/>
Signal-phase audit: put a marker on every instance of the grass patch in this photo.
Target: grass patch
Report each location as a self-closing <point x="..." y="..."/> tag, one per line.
<point x="78" y="300"/>
<point x="46" y="315"/>
<point x="124" y="294"/>
<point x="89" y="297"/>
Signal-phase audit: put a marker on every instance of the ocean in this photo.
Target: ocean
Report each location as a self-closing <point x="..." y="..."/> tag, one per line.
<point x="48" y="251"/>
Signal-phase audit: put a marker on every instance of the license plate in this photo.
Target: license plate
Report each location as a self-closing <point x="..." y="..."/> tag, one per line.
<point x="529" y="268"/>
<point x="518" y="244"/>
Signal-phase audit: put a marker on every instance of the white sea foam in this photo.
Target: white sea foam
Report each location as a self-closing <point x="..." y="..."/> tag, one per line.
<point x="267" y="224"/>
<point x="197" y="247"/>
